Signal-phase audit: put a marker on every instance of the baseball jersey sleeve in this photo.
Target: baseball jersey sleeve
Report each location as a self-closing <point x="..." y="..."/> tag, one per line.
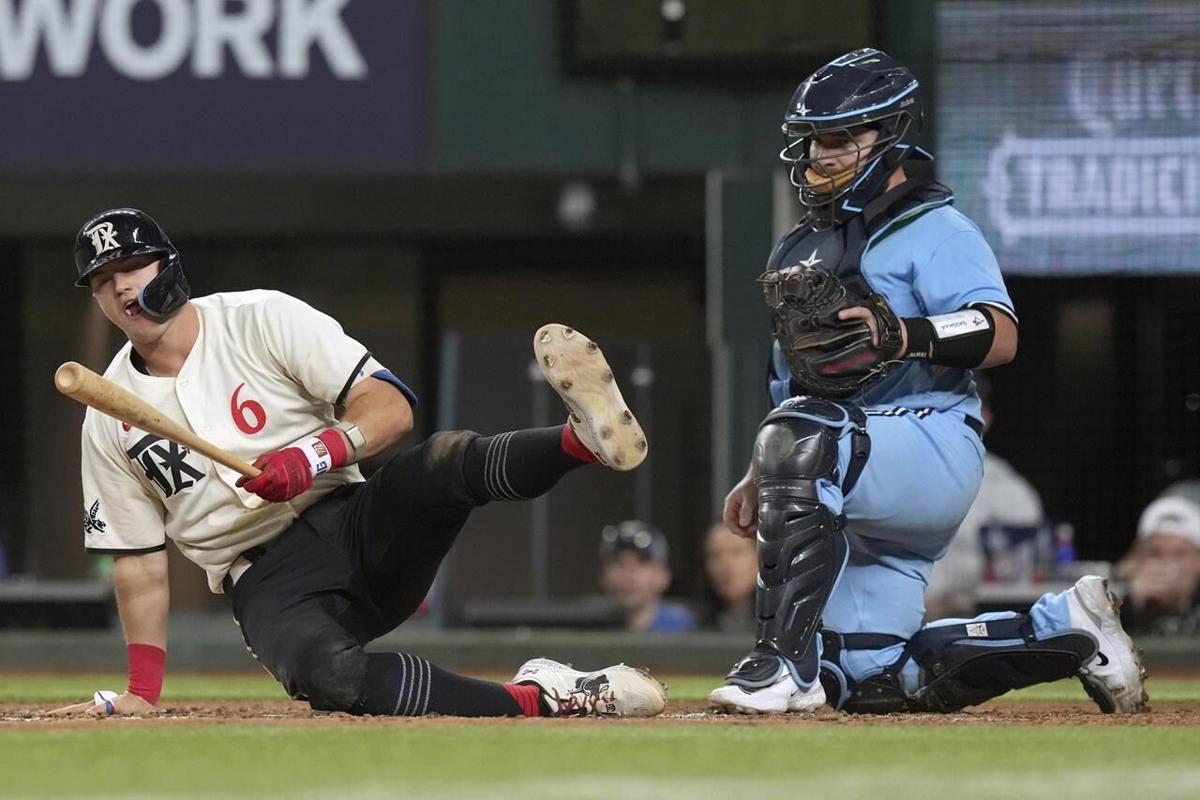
<point x="312" y="348"/>
<point x="961" y="272"/>
<point x="121" y="516"/>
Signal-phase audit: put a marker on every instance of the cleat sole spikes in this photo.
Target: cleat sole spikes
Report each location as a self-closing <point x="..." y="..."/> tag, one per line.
<point x="576" y="368"/>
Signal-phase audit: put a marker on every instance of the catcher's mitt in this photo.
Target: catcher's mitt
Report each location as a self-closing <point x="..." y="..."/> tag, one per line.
<point x="828" y="357"/>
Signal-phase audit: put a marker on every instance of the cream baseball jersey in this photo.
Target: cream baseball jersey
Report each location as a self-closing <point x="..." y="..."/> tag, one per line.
<point x="266" y="369"/>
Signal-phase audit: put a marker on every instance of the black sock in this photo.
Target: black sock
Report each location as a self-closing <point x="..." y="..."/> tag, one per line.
<point x="518" y="465"/>
<point x="399" y="684"/>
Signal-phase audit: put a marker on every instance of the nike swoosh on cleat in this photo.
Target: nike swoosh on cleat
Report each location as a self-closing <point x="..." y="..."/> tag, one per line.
<point x="1101" y="659"/>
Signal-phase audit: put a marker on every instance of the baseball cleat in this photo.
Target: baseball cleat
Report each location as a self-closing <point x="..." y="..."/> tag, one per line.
<point x="1114" y="677"/>
<point x="617" y="691"/>
<point x="782" y="696"/>
<point x="603" y="423"/>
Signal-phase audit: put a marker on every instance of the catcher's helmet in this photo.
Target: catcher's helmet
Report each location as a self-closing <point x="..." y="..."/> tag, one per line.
<point x="124" y="232"/>
<point x="864" y="88"/>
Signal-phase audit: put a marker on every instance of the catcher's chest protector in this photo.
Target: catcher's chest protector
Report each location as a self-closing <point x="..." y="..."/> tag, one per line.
<point x="840" y="249"/>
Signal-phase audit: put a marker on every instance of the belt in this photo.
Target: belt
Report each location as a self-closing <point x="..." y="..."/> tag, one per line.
<point x="240" y="564"/>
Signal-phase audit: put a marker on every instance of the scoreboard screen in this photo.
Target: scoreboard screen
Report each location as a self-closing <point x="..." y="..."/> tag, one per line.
<point x="1070" y="131"/>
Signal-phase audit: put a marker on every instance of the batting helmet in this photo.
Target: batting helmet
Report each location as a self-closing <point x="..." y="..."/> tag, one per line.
<point x="864" y="88"/>
<point x="125" y="232"/>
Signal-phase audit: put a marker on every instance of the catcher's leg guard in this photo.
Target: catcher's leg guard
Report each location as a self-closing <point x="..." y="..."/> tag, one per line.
<point x="966" y="662"/>
<point x="961" y="663"/>
<point x="801" y="545"/>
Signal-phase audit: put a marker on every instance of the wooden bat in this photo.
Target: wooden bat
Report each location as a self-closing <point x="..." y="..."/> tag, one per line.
<point x="80" y="383"/>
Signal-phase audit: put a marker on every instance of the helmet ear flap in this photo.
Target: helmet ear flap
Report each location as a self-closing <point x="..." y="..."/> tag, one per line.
<point x="168" y="291"/>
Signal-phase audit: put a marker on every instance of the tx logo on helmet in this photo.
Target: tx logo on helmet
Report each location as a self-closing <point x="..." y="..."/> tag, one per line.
<point x="104" y="237"/>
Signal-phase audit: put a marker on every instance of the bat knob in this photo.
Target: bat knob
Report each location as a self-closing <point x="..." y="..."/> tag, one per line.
<point x="67" y="377"/>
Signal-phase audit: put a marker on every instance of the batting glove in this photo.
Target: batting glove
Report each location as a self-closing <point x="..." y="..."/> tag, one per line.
<point x="290" y="471"/>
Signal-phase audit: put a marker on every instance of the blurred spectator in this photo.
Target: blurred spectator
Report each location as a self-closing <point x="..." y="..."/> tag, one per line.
<point x="1161" y="572"/>
<point x="635" y="573"/>
<point x="1005" y="498"/>
<point x="731" y="569"/>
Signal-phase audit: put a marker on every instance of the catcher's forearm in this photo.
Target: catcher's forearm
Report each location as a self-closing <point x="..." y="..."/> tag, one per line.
<point x="970" y="338"/>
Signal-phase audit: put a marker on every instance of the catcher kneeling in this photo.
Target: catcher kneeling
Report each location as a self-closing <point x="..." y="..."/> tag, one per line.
<point x="883" y="299"/>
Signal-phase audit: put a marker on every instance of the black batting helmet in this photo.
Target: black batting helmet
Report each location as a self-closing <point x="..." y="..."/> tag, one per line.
<point x="864" y="88"/>
<point x="124" y="232"/>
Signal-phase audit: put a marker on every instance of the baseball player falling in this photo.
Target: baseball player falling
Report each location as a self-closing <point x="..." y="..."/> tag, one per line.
<point x="883" y="299"/>
<point x="317" y="561"/>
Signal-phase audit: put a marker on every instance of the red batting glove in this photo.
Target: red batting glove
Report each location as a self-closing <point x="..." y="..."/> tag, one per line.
<point x="290" y="471"/>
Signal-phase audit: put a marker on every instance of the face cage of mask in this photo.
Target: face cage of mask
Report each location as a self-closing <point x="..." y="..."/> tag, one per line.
<point x="800" y="135"/>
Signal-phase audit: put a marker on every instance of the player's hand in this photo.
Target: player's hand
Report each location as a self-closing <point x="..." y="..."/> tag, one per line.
<point x="862" y="314"/>
<point x="741" y="508"/>
<point x="285" y="474"/>
<point x="125" y="704"/>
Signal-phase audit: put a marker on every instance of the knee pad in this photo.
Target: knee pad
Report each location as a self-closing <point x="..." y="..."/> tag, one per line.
<point x="330" y="675"/>
<point x="965" y="664"/>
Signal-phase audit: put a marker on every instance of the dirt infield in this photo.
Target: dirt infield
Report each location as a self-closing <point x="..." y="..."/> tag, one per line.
<point x="284" y="712"/>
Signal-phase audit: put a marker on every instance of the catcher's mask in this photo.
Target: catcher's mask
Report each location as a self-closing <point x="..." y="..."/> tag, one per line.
<point x="862" y="90"/>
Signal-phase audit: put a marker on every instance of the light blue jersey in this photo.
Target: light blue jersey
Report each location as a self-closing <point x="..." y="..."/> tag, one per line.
<point x="937" y="264"/>
<point x="931" y="260"/>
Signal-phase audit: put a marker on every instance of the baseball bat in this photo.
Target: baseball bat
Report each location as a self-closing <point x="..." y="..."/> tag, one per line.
<point x="80" y="383"/>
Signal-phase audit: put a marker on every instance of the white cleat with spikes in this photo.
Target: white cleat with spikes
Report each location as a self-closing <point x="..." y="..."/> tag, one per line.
<point x="1115" y="677"/>
<point x="617" y="691"/>
<point x="573" y="364"/>
<point x="782" y="696"/>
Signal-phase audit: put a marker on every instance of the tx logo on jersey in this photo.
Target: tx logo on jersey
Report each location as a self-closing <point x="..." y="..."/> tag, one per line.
<point x="165" y="463"/>
<point x="91" y="519"/>
<point x="104" y="237"/>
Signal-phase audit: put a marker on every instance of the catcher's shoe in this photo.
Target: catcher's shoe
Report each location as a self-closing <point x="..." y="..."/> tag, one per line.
<point x="1114" y="677"/>
<point x="575" y="367"/>
<point x="782" y="696"/>
<point x="617" y="691"/>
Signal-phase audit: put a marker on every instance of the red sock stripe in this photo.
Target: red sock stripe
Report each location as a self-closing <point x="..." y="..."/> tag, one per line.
<point x="573" y="447"/>
<point x="147" y="665"/>
<point x="527" y="696"/>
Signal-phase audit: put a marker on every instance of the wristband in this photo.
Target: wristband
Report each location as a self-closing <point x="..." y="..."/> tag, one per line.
<point x="147" y="665"/>
<point x="961" y="339"/>
<point x="920" y="337"/>
<point x="325" y="451"/>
